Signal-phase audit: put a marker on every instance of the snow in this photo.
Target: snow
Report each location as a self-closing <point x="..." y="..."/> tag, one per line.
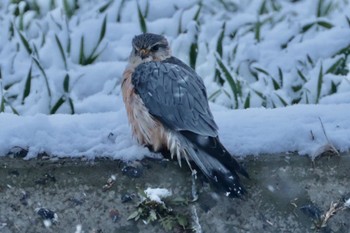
<point x="99" y="126"/>
<point x="347" y="203"/>
<point x="255" y="131"/>
<point x="156" y="194"/>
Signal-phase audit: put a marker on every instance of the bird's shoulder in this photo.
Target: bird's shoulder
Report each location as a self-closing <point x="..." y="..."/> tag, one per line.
<point x="172" y="68"/>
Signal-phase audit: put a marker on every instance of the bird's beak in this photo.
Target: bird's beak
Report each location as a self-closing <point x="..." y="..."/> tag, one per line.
<point x="144" y="53"/>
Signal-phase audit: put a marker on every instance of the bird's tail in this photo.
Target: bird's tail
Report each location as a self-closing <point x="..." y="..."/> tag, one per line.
<point x="215" y="162"/>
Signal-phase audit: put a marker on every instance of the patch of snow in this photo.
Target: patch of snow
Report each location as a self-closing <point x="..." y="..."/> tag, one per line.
<point x="156" y="194"/>
<point x="256" y="131"/>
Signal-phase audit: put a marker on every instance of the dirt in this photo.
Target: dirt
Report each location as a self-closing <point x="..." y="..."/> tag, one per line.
<point x="287" y="193"/>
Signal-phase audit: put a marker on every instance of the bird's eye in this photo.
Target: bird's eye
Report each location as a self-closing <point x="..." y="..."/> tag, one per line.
<point x="135" y="51"/>
<point x="155" y="48"/>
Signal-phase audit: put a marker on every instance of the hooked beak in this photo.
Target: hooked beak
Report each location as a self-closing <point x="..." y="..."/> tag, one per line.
<point x="144" y="53"/>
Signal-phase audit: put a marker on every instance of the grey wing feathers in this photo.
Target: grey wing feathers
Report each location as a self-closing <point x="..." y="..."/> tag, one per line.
<point x="175" y="95"/>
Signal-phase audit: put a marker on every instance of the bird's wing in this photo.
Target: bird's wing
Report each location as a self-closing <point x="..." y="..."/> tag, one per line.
<point x="176" y="96"/>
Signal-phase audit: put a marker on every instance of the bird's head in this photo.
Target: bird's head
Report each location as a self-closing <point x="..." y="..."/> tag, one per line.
<point x="149" y="47"/>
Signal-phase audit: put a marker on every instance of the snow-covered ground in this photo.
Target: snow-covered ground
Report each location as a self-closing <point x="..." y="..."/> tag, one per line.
<point x="244" y="132"/>
<point x="256" y="56"/>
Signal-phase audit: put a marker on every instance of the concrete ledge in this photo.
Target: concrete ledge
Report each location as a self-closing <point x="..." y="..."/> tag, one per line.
<point x="76" y="191"/>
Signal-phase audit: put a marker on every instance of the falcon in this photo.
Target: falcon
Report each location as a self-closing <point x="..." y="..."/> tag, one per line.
<point x="167" y="108"/>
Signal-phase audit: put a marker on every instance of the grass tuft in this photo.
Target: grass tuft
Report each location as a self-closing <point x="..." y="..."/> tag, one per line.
<point x="142" y="19"/>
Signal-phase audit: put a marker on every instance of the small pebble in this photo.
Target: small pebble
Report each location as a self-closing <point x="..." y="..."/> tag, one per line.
<point x="132" y="172"/>
<point x="127" y="197"/>
<point x="114" y="215"/>
<point x="45" y="213"/>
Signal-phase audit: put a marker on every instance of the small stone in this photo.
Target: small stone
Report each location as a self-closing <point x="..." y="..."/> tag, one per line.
<point x="114" y="215"/>
<point x="24" y="198"/>
<point x="18" y="152"/>
<point x="46" y="214"/>
<point x="13" y="173"/>
<point x="132" y="172"/>
<point x="127" y="197"/>
<point x="46" y="179"/>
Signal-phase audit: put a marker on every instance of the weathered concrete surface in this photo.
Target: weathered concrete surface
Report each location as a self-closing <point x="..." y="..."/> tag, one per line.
<point x="73" y="189"/>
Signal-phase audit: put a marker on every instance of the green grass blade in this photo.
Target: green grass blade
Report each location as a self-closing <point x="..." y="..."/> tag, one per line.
<point x="236" y="90"/>
<point x="71" y="105"/>
<point x="196" y="15"/>
<point x="257" y="30"/>
<point x="103" y="29"/>
<point x="334" y="88"/>
<point x="25" y="43"/>
<point x="276" y="6"/>
<point x="61" y="51"/>
<point x="105" y="6"/>
<point x="328" y="8"/>
<point x="21" y="22"/>
<point x="247" y="101"/>
<point x="120" y="10"/>
<point x="307" y="27"/>
<point x="234" y="52"/>
<point x="179" y="28"/>
<point x="282" y="100"/>
<point x="214" y="95"/>
<point x="301" y="75"/>
<point x="333" y="69"/>
<point x="36" y="7"/>
<point x="345" y="50"/>
<point x="142" y="19"/>
<point x="319" y="8"/>
<point x="276" y="86"/>
<point x="67" y="9"/>
<point x="36" y="51"/>
<point x="81" y="52"/>
<point x="66" y="83"/>
<point x="348" y="20"/>
<point x="193" y="54"/>
<point x="262" y="96"/>
<point x="58" y="104"/>
<point x="26" y="91"/>
<point x="280" y="75"/>
<point x="262" y="71"/>
<point x="273" y="104"/>
<point x="296" y="100"/>
<point x="325" y="24"/>
<point x="220" y="39"/>
<point x="69" y="45"/>
<point x="263" y="9"/>
<point x="45" y="76"/>
<point x="13" y="109"/>
<point x="52" y="4"/>
<point x="319" y="84"/>
<point x="147" y="9"/>
<point x="297" y="88"/>
<point x="2" y="105"/>
<point x="309" y="59"/>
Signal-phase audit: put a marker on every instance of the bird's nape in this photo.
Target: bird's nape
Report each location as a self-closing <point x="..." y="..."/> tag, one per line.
<point x="147" y="40"/>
